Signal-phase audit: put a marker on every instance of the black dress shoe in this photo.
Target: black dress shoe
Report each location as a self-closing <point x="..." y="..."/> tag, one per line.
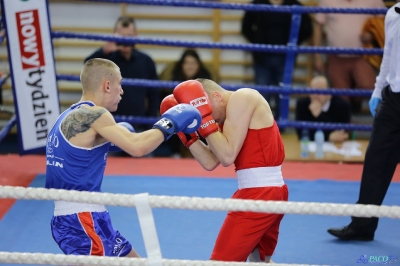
<point x="348" y="233"/>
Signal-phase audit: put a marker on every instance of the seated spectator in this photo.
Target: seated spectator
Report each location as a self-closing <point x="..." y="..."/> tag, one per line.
<point x="189" y="66"/>
<point x="323" y="108"/>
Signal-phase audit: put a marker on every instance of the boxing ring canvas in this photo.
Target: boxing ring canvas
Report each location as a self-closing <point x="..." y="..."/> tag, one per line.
<point x="190" y="234"/>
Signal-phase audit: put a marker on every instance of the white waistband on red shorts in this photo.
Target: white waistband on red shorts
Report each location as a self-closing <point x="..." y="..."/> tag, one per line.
<point x="66" y="207"/>
<point x="260" y="177"/>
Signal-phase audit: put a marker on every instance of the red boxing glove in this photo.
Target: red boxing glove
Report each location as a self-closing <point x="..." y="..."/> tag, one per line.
<point x="192" y="92"/>
<point x="187" y="139"/>
<point x="167" y="103"/>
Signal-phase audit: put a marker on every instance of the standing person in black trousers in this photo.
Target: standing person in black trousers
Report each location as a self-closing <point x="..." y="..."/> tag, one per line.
<point x="383" y="152"/>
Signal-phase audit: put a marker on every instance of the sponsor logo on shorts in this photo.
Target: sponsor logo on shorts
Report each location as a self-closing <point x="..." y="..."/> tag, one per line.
<point x="199" y="101"/>
<point x="118" y="246"/>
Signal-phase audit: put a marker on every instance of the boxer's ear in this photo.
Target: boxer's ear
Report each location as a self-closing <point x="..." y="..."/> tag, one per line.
<point x="106" y="86"/>
<point x="216" y="96"/>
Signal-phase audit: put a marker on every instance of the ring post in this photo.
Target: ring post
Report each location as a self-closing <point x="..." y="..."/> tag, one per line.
<point x="290" y="62"/>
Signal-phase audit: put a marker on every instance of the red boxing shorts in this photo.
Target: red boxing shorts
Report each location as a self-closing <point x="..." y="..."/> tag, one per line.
<point x="88" y="233"/>
<point x="242" y="232"/>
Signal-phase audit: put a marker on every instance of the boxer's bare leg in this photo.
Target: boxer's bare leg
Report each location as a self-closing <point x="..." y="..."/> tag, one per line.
<point x="133" y="254"/>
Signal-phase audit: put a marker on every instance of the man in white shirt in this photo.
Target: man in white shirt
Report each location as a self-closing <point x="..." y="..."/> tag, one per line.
<point x="383" y="152"/>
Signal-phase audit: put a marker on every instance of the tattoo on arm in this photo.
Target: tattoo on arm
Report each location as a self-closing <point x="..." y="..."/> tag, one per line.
<point x="79" y="121"/>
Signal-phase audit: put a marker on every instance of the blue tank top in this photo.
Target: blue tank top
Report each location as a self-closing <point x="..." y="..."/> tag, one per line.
<point x="71" y="167"/>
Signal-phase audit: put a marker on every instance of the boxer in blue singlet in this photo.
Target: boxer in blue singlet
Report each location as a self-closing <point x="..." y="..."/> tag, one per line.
<point x="76" y="156"/>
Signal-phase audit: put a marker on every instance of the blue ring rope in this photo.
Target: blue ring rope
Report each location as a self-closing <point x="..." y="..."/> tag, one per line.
<point x="3" y="80"/>
<point x="249" y="7"/>
<point x="210" y="45"/>
<point x="281" y="123"/>
<point x="232" y="87"/>
<point x="7" y="127"/>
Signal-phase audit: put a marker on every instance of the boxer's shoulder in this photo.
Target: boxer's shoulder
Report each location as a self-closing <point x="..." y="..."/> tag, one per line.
<point x="246" y="92"/>
<point x="86" y="112"/>
<point x="244" y="95"/>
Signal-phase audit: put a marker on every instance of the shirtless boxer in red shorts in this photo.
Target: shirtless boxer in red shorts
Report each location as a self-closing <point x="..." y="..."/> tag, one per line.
<point x="249" y="137"/>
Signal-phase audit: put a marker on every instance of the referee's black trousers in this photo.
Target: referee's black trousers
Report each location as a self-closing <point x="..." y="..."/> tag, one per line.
<point x="381" y="158"/>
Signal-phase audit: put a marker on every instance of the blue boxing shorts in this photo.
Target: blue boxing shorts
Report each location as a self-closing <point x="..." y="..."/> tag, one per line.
<point x="88" y="233"/>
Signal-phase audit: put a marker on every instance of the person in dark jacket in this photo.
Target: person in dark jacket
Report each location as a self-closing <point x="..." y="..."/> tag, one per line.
<point x="323" y="108"/>
<point x="136" y="100"/>
<point x="273" y="28"/>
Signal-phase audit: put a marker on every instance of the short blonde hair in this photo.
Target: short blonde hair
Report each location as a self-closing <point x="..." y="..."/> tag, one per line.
<point x="95" y="71"/>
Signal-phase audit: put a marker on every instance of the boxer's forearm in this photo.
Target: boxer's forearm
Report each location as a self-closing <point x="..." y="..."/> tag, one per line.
<point x="222" y="149"/>
<point x="204" y="155"/>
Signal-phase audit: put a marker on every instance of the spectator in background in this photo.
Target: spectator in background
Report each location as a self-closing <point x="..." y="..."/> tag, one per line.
<point x="323" y="108"/>
<point x="137" y="100"/>
<point x="345" y="30"/>
<point x="189" y="66"/>
<point x="272" y="28"/>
